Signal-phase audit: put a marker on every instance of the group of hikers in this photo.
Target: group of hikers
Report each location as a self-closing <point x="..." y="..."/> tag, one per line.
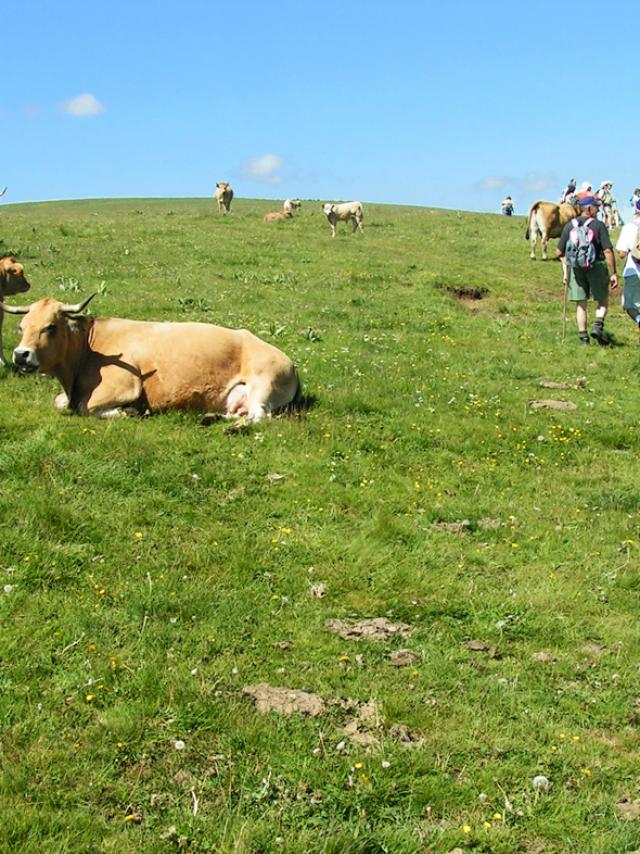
<point x="589" y="259"/>
<point x="590" y="264"/>
<point x="608" y="212"/>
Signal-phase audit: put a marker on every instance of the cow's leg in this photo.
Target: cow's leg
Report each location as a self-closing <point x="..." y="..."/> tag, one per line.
<point x="333" y="229"/>
<point x="533" y="232"/>
<point x="61" y="401"/>
<point x="545" y="241"/>
<point x="3" y="361"/>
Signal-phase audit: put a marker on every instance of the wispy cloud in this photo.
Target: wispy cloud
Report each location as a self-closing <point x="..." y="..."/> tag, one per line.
<point x="83" y="106"/>
<point x="264" y="168"/>
<point x="490" y="183"/>
<point x="539" y="183"/>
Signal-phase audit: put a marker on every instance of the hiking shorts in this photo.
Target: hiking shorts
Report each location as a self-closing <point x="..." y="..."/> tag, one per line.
<point x="593" y="282"/>
<point x="631" y="293"/>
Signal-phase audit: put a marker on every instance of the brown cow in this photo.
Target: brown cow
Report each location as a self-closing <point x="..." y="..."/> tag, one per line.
<point x="547" y="219"/>
<point x="12" y="281"/>
<point x="277" y="216"/>
<point x="223" y="196"/>
<point x="108" y="366"/>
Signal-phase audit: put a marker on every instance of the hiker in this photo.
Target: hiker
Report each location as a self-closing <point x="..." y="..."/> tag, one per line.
<point x="588" y="258"/>
<point x="585" y="190"/>
<point x="605" y="197"/>
<point x="635" y="198"/>
<point x="507" y="206"/>
<point x="568" y="192"/>
<point x="628" y="248"/>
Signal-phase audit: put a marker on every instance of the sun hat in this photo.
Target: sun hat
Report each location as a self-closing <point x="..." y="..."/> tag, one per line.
<point x="587" y="201"/>
<point x="586" y="185"/>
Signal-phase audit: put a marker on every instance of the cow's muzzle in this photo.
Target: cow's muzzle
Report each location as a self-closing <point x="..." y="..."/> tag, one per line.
<point x="25" y="359"/>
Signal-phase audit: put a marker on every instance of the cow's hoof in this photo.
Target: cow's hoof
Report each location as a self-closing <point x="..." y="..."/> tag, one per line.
<point x="210" y="418"/>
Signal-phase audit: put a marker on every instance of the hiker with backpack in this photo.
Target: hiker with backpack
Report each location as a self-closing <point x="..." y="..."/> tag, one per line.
<point x="628" y="248"/>
<point x="506" y="207"/>
<point x="587" y="253"/>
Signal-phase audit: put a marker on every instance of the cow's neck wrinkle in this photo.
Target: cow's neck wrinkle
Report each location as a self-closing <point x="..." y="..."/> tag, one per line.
<point x="77" y="349"/>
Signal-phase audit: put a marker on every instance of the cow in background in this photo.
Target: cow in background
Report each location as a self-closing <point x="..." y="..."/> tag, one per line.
<point x="223" y="196"/>
<point x="547" y="219"/>
<point x="345" y="212"/>
<point x="12" y="281"/>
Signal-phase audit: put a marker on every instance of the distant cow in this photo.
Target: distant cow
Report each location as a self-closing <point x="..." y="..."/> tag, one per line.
<point x="277" y="216"/>
<point x="223" y="196"/>
<point x="348" y="211"/>
<point x="12" y="281"/>
<point x="291" y="205"/>
<point x="547" y="219"/>
<point x="109" y="366"/>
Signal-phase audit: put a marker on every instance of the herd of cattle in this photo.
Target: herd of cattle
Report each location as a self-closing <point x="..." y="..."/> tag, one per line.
<point x="111" y="366"/>
<point x="352" y="212"/>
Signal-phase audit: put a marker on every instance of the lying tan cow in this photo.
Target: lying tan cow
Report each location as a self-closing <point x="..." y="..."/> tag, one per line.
<point x="277" y="216"/>
<point x="107" y="365"/>
<point x="12" y="281"/>
<point x="347" y="211"/>
<point x="547" y="219"/>
<point x="223" y="196"/>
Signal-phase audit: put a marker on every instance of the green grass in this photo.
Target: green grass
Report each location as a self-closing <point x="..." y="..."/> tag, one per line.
<point x="155" y="565"/>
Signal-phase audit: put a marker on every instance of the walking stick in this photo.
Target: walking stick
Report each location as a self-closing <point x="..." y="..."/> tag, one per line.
<point x="565" y="282"/>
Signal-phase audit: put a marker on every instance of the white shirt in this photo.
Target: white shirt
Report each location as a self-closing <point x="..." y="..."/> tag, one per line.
<point x="626" y="242"/>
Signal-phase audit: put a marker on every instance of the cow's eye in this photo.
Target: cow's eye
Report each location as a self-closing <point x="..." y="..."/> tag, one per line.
<point x="50" y="329"/>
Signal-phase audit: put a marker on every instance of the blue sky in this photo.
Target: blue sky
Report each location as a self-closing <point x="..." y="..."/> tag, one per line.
<point x="449" y="104"/>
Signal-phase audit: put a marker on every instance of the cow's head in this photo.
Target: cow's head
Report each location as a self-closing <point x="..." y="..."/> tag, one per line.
<point x="222" y="185"/>
<point x="44" y="330"/>
<point x="12" y="278"/>
<point x="328" y="208"/>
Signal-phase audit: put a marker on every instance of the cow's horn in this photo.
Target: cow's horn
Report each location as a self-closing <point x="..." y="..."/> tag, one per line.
<point x="15" y="309"/>
<point x="75" y="309"/>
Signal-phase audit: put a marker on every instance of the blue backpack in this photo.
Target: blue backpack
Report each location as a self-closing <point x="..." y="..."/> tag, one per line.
<point x="581" y="250"/>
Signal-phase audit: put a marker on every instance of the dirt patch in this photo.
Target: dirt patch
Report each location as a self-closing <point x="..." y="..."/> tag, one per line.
<point x="366" y="725"/>
<point x="284" y="701"/>
<point x="580" y="383"/>
<point x="628" y="810"/>
<point x="402" y="658"/>
<point x="481" y="646"/>
<point x="552" y="404"/>
<point x="462" y="292"/>
<point x="453" y="527"/>
<point x="376" y="629"/>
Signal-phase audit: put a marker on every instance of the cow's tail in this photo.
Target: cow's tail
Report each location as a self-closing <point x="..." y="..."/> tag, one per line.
<point x="532" y="212"/>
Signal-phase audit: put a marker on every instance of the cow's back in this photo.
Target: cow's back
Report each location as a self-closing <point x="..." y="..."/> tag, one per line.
<point x="186" y="365"/>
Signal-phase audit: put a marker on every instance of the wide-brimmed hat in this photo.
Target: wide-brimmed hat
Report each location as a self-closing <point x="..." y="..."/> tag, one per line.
<point x="589" y="201"/>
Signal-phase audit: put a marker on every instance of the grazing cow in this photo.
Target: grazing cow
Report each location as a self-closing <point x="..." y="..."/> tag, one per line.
<point x="223" y="196"/>
<point x="277" y="216"/>
<point x="348" y="211"/>
<point x="547" y="219"/>
<point x="109" y="366"/>
<point x="12" y="281"/>
<point x="291" y="205"/>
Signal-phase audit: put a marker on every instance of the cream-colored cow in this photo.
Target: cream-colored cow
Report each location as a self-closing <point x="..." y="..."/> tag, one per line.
<point x="345" y="212"/>
<point x="108" y="365"/>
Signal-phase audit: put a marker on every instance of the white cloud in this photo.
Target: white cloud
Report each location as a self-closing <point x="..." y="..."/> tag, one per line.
<point x="539" y="183"/>
<point x="264" y="168"/>
<point x="494" y="182"/>
<point x="83" y="105"/>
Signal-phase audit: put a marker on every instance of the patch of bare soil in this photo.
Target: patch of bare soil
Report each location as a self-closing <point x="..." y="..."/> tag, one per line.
<point x="581" y="382"/>
<point x="376" y="629"/>
<point x="284" y="701"/>
<point x="552" y="404"/>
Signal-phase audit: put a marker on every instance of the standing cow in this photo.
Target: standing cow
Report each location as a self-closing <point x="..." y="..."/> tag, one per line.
<point x="223" y="196"/>
<point x="12" y="281"/>
<point x="345" y="212"/>
<point x="547" y="219"/>
<point x="107" y="365"/>
<point x="291" y="205"/>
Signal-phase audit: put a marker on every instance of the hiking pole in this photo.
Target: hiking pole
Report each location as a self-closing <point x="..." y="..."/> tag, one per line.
<point x="565" y="283"/>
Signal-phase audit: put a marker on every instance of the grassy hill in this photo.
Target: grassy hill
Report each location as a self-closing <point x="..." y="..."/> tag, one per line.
<point x="153" y="569"/>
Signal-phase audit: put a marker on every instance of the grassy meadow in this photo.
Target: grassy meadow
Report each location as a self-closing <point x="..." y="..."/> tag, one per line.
<point x="152" y="569"/>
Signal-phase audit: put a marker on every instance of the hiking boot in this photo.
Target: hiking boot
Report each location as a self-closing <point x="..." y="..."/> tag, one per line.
<point x="584" y="339"/>
<point x="600" y="335"/>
